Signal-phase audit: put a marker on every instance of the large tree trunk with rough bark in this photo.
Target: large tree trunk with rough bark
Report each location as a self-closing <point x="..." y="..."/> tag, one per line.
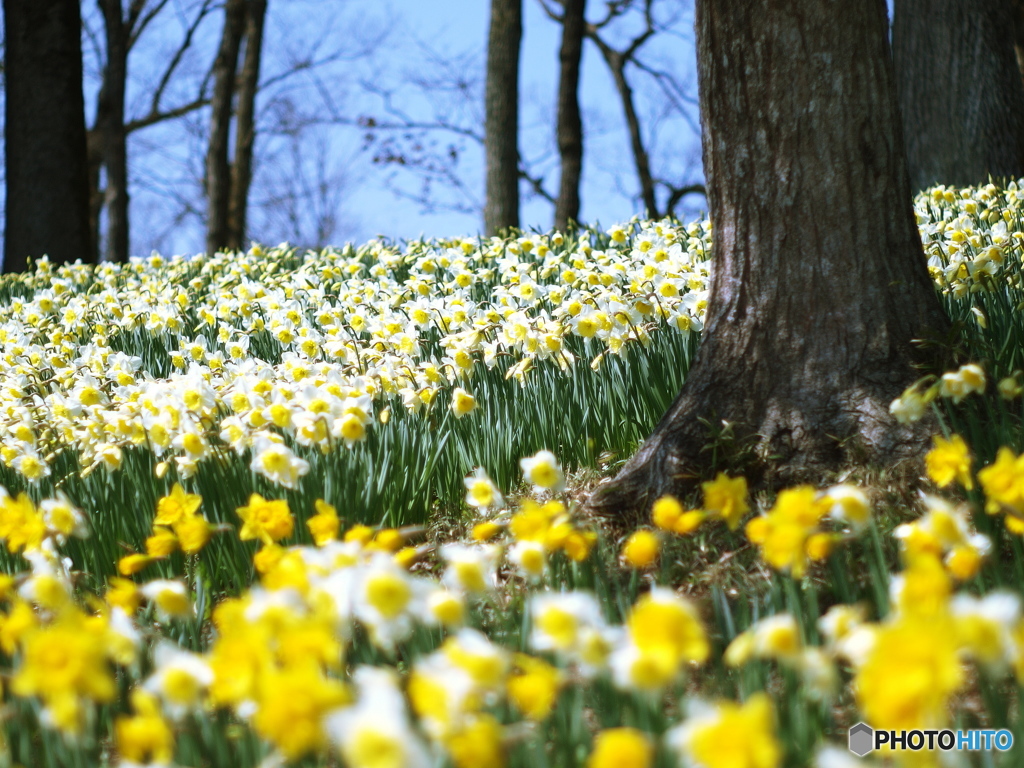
<point x="1018" y="34"/>
<point x="47" y="208"/>
<point x="218" y="167"/>
<point x="569" y="130"/>
<point x="819" y="286"/>
<point x="501" y="122"/>
<point x="245" y="124"/>
<point x="110" y="124"/>
<point x="960" y="90"/>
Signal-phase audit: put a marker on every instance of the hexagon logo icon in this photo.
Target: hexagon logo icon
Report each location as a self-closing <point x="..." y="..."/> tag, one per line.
<point x="861" y="739"/>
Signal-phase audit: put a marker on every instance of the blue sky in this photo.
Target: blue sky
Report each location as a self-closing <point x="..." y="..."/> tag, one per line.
<point x="349" y="197"/>
<point x="609" y="189"/>
<point x="420" y="39"/>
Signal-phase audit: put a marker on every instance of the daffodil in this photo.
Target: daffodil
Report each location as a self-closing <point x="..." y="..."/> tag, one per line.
<point x="848" y="504"/>
<point x="179" y="679"/>
<point x="534" y="689"/>
<point x="293" y="705"/>
<point x="479" y="741"/>
<point x="543" y="471"/>
<point x="1003" y="483"/>
<point x="910" y="673"/>
<point x="324" y="525"/>
<point x="708" y="737"/>
<point x="962" y="382"/>
<point x="470" y="569"/>
<point x="727" y="497"/>
<point x="176" y="506"/>
<point x="641" y="549"/>
<point x="481" y="491"/>
<point x="949" y="461"/>
<point x="664" y="634"/>
<point x="666" y="513"/>
<point x="170" y="598"/>
<point x="784" y="534"/>
<point x="66" y="665"/>
<point x="621" y="748"/>
<point x="266" y="520"/>
<point x="277" y="462"/>
<point x="375" y="731"/>
<point x="144" y="738"/>
<point x="462" y="402"/>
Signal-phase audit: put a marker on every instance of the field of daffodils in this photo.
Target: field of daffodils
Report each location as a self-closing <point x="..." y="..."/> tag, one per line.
<point x="321" y="508"/>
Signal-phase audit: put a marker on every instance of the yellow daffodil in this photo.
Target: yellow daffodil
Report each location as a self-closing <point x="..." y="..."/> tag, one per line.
<point x="727" y="497"/>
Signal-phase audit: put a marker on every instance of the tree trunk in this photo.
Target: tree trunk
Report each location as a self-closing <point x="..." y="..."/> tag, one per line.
<point x="1018" y="34"/>
<point x="960" y="90"/>
<point x="245" y="124"/>
<point x="616" y="61"/>
<point x="47" y="208"/>
<point x="110" y="122"/>
<point x="218" y="168"/>
<point x="501" y="122"/>
<point x="94" y="156"/>
<point x="819" y="286"/>
<point x="569" y="130"/>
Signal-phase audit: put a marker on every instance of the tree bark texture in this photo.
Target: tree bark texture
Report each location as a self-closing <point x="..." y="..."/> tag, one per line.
<point x="501" y="121"/>
<point x="819" y="285"/>
<point x="569" y="130"/>
<point x="47" y="209"/>
<point x="1018" y="34"/>
<point x="218" y="167"/>
<point x="960" y="90"/>
<point x="110" y="122"/>
<point x="245" y="124"/>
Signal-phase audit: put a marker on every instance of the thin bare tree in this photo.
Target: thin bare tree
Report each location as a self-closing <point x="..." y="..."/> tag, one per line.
<point x="501" y="124"/>
<point x="108" y="138"/>
<point x="245" y="124"/>
<point x="569" y="128"/>
<point x="218" y="164"/>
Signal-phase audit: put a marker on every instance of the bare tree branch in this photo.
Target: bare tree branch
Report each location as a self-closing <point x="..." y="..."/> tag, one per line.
<point x="550" y="12"/>
<point x="617" y="61"/>
<point x="615" y="9"/>
<point x="176" y="58"/>
<point x="168" y="114"/>
<point x="136" y="23"/>
<point x="676" y="94"/>
<point x="676" y="194"/>
<point x="536" y="182"/>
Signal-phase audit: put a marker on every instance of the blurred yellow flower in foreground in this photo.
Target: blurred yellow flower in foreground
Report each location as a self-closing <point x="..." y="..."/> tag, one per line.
<point x="641" y="549"/>
<point x="534" y="690"/>
<point x="268" y="521"/>
<point x="292" y="705"/>
<point x="667" y="625"/>
<point x="949" y="461"/>
<point x="910" y="673"/>
<point x="621" y="748"/>
<point x="324" y="525"/>
<point x="144" y="738"/>
<point x="478" y="743"/>
<point x="1003" y="482"/>
<point x="786" y="536"/>
<point x="727" y="496"/>
<point x="730" y="735"/>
